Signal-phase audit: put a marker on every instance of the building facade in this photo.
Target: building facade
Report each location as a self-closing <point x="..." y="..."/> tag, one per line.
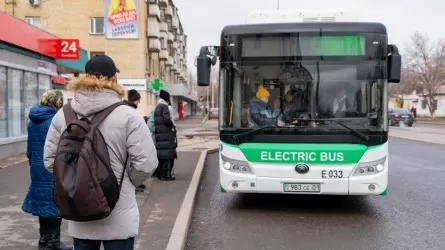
<point x="146" y="41"/>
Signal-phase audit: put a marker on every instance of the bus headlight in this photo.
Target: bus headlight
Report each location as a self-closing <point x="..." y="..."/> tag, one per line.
<point x="370" y="168"/>
<point x="236" y="166"/>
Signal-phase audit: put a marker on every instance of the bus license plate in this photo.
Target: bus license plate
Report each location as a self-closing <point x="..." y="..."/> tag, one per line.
<point x="301" y="187"/>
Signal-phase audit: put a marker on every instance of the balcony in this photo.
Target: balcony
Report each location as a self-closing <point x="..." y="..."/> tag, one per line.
<point x="163" y="55"/>
<point x="171" y="37"/>
<point x="163" y="3"/>
<point x="175" y="23"/>
<point x="169" y="11"/>
<point x="153" y="11"/>
<point x="154" y="45"/>
<point x="153" y="27"/>
<point x="170" y="61"/>
<point x="175" y="45"/>
<point x="163" y="27"/>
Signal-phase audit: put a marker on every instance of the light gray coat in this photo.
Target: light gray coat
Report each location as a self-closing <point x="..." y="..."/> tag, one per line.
<point x="124" y="131"/>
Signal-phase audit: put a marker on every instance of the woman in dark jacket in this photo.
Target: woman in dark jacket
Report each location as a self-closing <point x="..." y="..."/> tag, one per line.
<point x="165" y="137"/>
<point x="39" y="201"/>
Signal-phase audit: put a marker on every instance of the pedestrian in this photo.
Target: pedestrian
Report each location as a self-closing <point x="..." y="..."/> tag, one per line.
<point x="165" y="138"/>
<point x="39" y="200"/>
<point x="128" y="143"/>
<point x="172" y="161"/>
<point x="134" y="98"/>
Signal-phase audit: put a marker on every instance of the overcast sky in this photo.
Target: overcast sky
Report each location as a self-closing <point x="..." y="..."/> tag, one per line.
<point x="204" y="19"/>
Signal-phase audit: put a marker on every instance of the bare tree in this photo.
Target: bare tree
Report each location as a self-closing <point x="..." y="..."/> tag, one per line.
<point x="407" y="85"/>
<point x="426" y="64"/>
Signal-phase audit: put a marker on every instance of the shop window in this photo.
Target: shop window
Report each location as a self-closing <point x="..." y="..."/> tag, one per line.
<point x="31" y="94"/>
<point x="97" y="25"/>
<point x="44" y="84"/>
<point x="34" y="20"/>
<point x="16" y="116"/>
<point x="3" y="103"/>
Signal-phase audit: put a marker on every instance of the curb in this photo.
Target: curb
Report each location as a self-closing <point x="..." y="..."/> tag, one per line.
<point x="180" y="229"/>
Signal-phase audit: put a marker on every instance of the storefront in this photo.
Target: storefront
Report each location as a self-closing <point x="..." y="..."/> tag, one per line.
<point x="25" y="74"/>
<point x="148" y="99"/>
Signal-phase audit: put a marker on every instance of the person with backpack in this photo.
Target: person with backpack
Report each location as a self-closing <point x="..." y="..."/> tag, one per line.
<point x="39" y="200"/>
<point x="165" y="136"/>
<point x="99" y="150"/>
<point x="134" y="98"/>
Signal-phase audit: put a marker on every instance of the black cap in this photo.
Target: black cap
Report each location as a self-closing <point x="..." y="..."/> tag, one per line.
<point x="101" y="65"/>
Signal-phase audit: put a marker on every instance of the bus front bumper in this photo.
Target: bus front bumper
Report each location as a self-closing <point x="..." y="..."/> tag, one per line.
<point x="360" y="185"/>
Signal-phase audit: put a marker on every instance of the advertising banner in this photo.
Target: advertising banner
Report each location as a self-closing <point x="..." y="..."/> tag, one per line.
<point x="121" y="19"/>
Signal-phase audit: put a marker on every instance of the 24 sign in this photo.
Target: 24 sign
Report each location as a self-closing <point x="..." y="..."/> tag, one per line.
<point x="67" y="49"/>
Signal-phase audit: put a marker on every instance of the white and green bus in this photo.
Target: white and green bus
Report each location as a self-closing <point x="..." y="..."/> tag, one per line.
<point x="328" y="84"/>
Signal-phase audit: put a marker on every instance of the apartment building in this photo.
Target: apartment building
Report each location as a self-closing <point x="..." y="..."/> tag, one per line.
<point x="146" y="40"/>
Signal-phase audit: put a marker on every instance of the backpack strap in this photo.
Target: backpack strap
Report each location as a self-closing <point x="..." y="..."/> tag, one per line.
<point x="100" y="116"/>
<point x="69" y="113"/>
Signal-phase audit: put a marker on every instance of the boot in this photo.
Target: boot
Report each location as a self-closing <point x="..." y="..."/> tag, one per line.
<point x="54" y="236"/>
<point x="54" y="242"/>
<point x="43" y="241"/>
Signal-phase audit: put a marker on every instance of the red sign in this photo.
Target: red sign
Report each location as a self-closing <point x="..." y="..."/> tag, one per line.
<point x="59" y="79"/>
<point x="67" y="49"/>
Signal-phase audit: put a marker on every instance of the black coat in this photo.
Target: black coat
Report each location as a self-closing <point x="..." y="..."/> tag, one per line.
<point x="165" y="133"/>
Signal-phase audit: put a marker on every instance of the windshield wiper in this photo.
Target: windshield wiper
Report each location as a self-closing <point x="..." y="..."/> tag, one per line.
<point x="357" y="133"/>
<point x="242" y="135"/>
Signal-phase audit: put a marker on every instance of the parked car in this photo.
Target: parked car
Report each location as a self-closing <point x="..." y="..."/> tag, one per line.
<point x="398" y="115"/>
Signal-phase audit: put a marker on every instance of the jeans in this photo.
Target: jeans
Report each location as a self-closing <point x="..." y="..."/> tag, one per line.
<point x="127" y="244"/>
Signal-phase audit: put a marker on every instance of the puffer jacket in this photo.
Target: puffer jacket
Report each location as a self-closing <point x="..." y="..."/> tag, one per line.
<point x="165" y="135"/>
<point x="125" y="133"/>
<point x="39" y="200"/>
<point x="259" y="114"/>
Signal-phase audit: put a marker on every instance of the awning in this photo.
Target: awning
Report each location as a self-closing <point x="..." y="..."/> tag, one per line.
<point x="73" y="66"/>
<point x="180" y="90"/>
<point x="24" y="35"/>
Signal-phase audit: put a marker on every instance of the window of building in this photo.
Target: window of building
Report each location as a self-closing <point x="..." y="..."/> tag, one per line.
<point x="31" y="94"/>
<point x="16" y="117"/>
<point x="95" y="53"/>
<point x="33" y="20"/>
<point x="163" y="45"/>
<point x="3" y="103"/>
<point x="44" y="84"/>
<point x="97" y="25"/>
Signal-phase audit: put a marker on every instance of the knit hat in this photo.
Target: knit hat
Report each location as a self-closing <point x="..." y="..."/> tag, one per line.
<point x="262" y="92"/>
<point x="164" y="95"/>
<point x="52" y="98"/>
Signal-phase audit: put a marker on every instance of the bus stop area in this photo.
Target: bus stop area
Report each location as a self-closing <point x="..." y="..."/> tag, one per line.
<point x="159" y="204"/>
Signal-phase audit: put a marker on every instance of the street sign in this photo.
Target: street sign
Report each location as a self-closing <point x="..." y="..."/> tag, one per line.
<point x="67" y="49"/>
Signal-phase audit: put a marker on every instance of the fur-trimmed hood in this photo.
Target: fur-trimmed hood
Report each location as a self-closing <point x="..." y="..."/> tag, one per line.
<point x="92" y="95"/>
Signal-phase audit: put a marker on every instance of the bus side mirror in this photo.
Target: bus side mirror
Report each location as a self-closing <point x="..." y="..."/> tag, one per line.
<point x="394" y="64"/>
<point x="203" y="65"/>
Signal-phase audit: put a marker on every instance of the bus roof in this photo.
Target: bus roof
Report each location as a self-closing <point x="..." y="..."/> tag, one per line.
<point x="359" y="27"/>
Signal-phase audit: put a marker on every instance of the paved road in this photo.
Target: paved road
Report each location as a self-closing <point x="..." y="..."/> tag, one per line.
<point x="410" y="217"/>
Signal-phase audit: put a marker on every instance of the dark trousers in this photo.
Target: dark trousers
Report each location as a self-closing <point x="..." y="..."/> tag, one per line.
<point x="127" y="244"/>
<point x="50" y="223"/>
<point x="164" y="169"/>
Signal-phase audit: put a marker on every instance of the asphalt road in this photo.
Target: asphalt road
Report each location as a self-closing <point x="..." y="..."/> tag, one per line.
<point x="410" y="217"/>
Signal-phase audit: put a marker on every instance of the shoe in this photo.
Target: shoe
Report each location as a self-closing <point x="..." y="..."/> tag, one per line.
<point x="140" y="188"/>
<point x="54" y="242"/>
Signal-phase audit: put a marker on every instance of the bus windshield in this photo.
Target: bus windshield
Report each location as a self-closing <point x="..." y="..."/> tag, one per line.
<point x="301" y="90"/>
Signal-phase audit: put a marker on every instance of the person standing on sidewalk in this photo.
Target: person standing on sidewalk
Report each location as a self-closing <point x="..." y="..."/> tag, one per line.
<point x="165" y="138"/>
<point x="126" y="136"/>
<point x="134" y="98"/>
<point x="39" y="200"/>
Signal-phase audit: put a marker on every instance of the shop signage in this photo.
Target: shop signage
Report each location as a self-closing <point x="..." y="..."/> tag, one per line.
<point x="137" y="84"/>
